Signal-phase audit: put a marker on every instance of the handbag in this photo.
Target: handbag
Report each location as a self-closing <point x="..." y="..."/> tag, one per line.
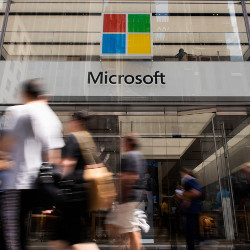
<point x="48" y="174"/>
<point x="47" y="183"/>
<point x="74" y="190"/>
<point x="61" y="190"/>
<point x="102" y="191"/>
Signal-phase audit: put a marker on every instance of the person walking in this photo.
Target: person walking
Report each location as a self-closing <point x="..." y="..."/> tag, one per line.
<point x="190" y="206"/>
<point x="132" y="185"/>
<point x="79" y="153"/>
<point x="32" y="134"/>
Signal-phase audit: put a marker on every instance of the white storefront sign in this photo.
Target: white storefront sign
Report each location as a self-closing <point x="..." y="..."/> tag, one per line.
<point x="118" y="79"/>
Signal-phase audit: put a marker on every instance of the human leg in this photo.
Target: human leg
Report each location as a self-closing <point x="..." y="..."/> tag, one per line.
<point x="134" y="240"/>
<point x="10" y="218"/>
<point x="28" y="200"/>
<point x="128" y="224"/>
<point x="71" y="228"/>
<point x="190" y="231"/>
<point x="2" y="241"/>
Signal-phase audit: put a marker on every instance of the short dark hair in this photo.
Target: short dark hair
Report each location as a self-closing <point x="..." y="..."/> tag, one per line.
<point x="188" y="171"/>
<point x="82" y="115"/>
<point x="33" y="87"/>
<point x="133" y="140"/>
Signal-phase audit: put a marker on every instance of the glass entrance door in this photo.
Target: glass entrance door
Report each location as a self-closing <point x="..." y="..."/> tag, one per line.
<point x="170" y="143"/>
<point x="204" y="143"/>
<point x="232" y="147"/>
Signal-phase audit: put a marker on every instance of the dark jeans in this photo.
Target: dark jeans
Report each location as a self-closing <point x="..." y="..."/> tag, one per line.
<point x="191" y="225"/>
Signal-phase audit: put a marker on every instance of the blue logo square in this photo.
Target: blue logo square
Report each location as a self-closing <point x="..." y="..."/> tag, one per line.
<point x="114" y="44"/>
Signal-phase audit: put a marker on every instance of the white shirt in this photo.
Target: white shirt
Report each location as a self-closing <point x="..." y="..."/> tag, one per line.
<point x="35" y="128"/>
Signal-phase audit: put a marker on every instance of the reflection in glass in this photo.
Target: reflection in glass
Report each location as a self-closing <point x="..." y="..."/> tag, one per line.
<point x="73" y="31"/>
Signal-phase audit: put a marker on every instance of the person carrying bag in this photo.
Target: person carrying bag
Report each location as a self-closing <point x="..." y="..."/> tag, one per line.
<point x="83" y="172"/>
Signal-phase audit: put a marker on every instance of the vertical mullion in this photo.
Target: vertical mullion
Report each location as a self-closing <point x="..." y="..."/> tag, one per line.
<point x="5" y="21"/>
<point x="245" y="14"/>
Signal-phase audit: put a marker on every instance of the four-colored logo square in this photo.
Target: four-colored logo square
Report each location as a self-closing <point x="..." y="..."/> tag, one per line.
<point x="126" y="34"/>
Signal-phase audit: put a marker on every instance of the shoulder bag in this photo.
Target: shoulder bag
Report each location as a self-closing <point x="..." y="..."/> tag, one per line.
<point x="102" y="191"/>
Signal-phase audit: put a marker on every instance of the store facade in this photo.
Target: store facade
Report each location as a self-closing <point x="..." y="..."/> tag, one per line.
<point x="122" y="61"/>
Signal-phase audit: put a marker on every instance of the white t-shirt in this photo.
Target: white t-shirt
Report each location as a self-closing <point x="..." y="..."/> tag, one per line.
<point x="35" y="128"/>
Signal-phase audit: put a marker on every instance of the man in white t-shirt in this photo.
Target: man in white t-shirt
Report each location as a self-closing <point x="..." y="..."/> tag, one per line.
<point x="32" y="134"/>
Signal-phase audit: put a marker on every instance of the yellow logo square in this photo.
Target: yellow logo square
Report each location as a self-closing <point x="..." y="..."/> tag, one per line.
<point x="139" y="44"/>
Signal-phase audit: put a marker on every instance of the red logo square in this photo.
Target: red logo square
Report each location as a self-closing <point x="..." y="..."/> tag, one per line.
<point x="114" y="23"/>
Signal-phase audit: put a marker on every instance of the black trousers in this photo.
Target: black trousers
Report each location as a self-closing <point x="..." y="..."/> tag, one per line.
<point x="16" y="205"/>
<point x="2" y="242"/>
<point x="191" y="225"/>
<point x="73" y="223"/>
<point x="29" y="201"/>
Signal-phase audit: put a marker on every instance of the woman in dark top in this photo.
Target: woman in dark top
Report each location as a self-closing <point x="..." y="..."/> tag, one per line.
<point x="78" y="153"/>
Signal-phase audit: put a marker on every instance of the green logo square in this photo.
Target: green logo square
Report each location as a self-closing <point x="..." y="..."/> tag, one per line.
<point x="139" y="23"/>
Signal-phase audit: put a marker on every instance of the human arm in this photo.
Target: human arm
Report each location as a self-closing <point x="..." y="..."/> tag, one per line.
<point x="191" y="194"/>
<point x="7" y="140"/>
<point x="68" y="165"/>
<point x="70" y="154"/>
<point x="54" y="155"/>
<point x="5" y="161"/>
<point x="192" y="190"/>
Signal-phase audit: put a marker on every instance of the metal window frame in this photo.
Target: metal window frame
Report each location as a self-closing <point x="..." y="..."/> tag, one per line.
<point x="4" y="25"/>
<point x="245" y="14"/>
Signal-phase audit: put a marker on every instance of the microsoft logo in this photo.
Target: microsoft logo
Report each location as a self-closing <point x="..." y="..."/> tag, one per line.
<point x="126" y="34"/>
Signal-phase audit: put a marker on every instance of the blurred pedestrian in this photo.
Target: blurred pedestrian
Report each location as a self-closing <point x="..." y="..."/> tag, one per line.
<point x="224" y="194"/>
<point x="32" y="134"/>
<point x="78" y="154"/>
<point x="165" y="213"/>
<point x="181" y="54"/>
<point x="150" y="187"/>
<point x="190" y="206"/>
<point x="245" y="170"/>
<point x="4" y="165"/>
<point x="129" y="219"/>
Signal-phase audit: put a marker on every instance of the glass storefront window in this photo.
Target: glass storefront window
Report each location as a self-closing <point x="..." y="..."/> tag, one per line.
<point x="169" y="142"/>
<point x="206" y="30"/>
<point x="56" y="30"/>
<point x="236" y="156"/>
<point x="52" y="31"/>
